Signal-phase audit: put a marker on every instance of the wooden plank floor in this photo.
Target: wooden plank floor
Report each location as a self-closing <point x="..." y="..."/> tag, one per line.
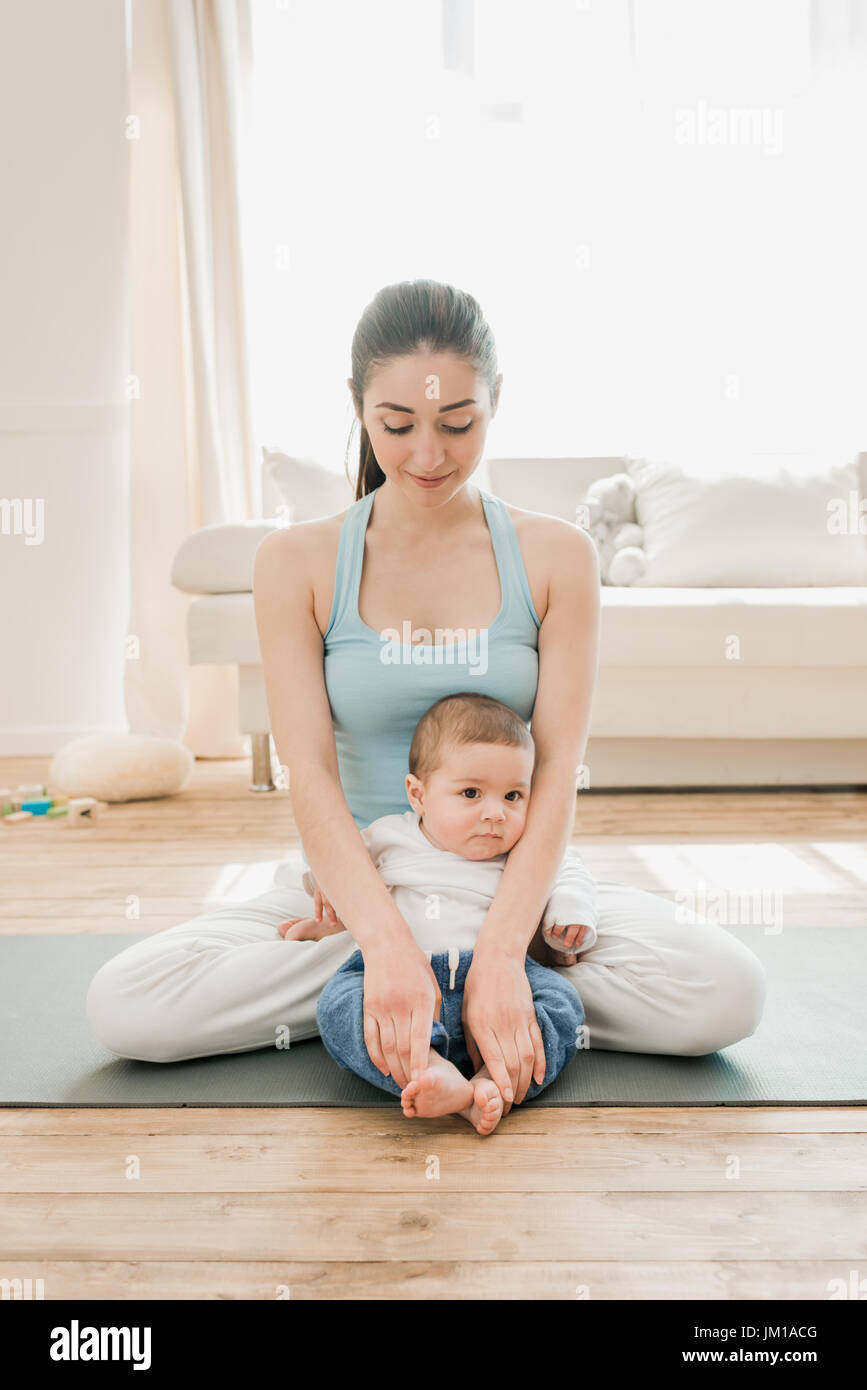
<point x="323" y="1203"/>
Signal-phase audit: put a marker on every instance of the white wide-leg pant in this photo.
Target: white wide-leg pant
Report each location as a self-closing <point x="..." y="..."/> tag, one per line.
<point x="226" y="982"/>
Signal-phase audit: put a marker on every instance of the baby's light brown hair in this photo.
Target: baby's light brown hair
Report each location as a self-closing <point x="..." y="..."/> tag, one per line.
<point x="464" y="718"/>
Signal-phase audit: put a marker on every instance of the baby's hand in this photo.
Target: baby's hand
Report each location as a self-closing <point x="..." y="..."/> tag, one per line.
<point x="308" y="928"/>
<point x="565" y="938"/>
<point x="322" y="908"/>
<point x="557" y="945"/>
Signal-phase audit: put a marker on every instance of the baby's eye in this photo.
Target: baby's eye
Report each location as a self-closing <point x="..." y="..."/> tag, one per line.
<point x="472" y="791"/>
<point x="515" y="794"/>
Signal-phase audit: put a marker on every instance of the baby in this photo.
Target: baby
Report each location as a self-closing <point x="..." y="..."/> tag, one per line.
<point x="471" y="765"/>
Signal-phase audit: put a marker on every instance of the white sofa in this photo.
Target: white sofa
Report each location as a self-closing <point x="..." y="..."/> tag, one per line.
<point x="669" y="709"/>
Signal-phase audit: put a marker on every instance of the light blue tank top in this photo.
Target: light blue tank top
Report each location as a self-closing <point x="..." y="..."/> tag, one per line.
<point x="378" y="690"/>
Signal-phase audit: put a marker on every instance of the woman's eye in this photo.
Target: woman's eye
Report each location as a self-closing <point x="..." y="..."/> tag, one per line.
<point x="450" y="429"/>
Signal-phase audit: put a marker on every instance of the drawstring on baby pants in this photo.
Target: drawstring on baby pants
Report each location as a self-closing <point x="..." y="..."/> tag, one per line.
<point x="454" y="962"/>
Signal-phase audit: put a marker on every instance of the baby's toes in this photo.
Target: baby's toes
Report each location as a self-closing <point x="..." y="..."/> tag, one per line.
<point x="489" y="1105"/>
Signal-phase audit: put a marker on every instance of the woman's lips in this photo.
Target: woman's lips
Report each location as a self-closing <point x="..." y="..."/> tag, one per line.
<point x="430" y="482"/>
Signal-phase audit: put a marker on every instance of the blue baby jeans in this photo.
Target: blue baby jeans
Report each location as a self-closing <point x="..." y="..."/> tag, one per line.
<point x="339" y="1014"/>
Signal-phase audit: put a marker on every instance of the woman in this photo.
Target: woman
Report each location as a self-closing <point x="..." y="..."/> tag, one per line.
<point x="422" y="546"/>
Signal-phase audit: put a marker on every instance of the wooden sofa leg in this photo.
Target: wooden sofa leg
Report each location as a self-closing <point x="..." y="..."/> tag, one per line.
<point x="261" y="747"/>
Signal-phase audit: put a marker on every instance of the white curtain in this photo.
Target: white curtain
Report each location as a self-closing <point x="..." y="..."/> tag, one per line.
<point x="838" y="36"/>
<point x="192" y="453"/>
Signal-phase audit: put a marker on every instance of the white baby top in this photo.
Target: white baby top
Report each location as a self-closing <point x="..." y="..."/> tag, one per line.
<point x="444" y="898"/>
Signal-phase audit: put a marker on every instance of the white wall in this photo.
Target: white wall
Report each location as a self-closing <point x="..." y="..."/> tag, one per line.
<point x="64" y="601"/>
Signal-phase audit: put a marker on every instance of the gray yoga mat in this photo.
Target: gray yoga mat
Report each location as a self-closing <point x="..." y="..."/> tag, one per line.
<point x="809" y="1049"/>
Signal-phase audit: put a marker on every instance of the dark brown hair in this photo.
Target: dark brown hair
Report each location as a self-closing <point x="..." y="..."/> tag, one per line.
<point x="463" y="718"/>
<point x="409" y="317"/>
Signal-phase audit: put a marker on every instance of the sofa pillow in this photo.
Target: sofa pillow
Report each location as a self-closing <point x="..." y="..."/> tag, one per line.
<point x="304" y="489"/>
<point x="772" y="526"/>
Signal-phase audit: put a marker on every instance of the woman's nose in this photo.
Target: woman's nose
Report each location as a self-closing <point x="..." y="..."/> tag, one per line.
<point x="429" y="453"/>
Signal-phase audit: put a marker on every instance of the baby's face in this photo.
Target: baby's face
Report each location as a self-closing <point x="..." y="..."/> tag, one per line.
<point x="475" y="803"/>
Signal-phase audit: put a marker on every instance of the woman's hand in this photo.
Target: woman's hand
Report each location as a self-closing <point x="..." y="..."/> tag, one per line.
<point x="401" y="1001"/>
<point x="500" y="1024"/>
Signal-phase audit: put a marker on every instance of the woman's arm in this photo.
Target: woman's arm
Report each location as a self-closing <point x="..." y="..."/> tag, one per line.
<point x="401" y="994"/>
<point x="498" y="1006"/>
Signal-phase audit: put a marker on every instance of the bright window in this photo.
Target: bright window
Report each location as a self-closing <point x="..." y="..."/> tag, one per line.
<point x="659" y="205"/>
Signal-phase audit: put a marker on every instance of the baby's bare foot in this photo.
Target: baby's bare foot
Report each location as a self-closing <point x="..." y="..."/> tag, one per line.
<point x="438" y="1090"/>
<point x="486" y="1110"/>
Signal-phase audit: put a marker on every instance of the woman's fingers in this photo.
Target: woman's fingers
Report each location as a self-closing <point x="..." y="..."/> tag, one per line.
<point x="495" y="1061"/>
<point x="401" y="999"/>
<point x="539" y="1060"/>
<point x="527" y="1057"/>
<point x="402" y="1035"/>
<point x="373" y="1043"/>
<point x="473" y="1052"/>
<point x="388" y="1034"/>
<point x="398" y="1046"/>
<point x="317" y="903"/>
<point x="419" y="1041"/>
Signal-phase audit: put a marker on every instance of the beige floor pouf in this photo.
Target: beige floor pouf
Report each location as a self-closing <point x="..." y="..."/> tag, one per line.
<point x="121" y="767"/>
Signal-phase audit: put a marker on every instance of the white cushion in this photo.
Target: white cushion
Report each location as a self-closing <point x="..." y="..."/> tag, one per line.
<point x="734" y="628"/>
<point x="765" y="528"/>
<point x="552" y="486"/>
<point x="121" y="767"/>
<point x="219" y="559"/>
<point x="302" y="489"/>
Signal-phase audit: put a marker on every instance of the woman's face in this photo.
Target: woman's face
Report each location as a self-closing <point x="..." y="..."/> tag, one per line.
<point x="427" y="416"/>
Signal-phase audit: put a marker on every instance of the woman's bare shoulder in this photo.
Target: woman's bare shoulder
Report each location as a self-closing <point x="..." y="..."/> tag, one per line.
<point x="552" y="546"/>
<point x="300" y="560"/>
<point x="539" y="523"/>
<point x="309" y="537"/>
<point x="541" y="531"/>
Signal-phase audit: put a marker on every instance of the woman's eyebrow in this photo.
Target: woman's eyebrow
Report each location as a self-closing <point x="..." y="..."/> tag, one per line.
<point x="405" y="410"/>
